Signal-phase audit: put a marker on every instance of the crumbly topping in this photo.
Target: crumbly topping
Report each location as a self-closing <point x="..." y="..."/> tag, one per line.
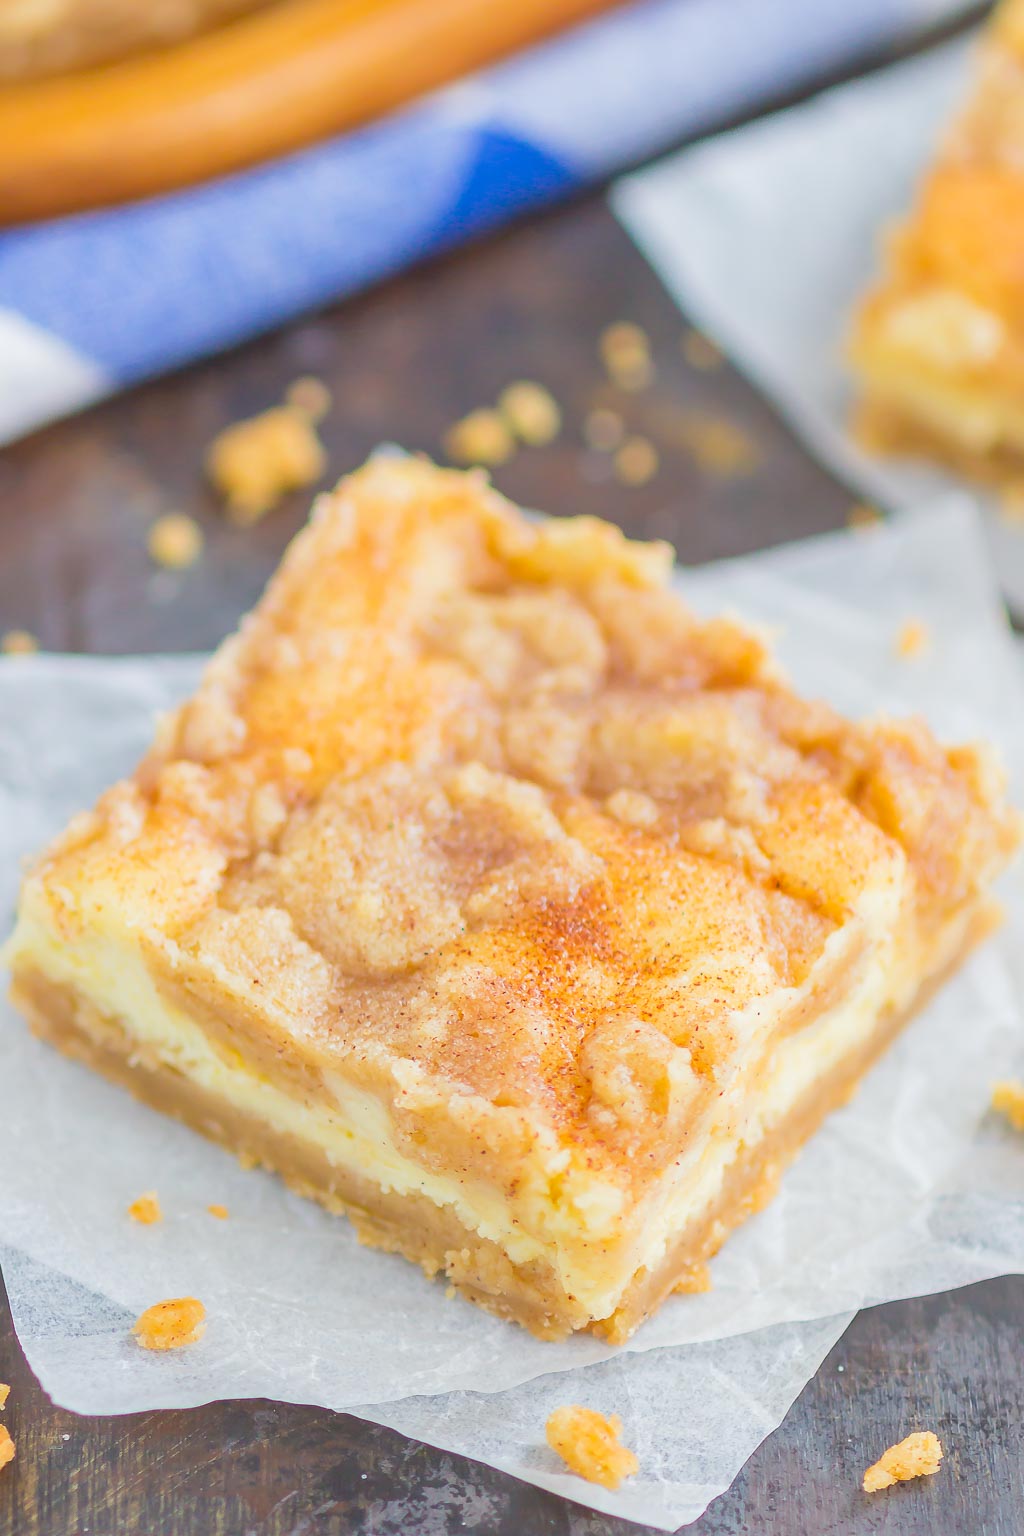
<point x="220" y="1211"/>
<point x="171" y="1324"/>
<point x="18" y="642"/>
<point x="254" y="463"/>
<point x="478" y="797"/>
<point x="146" y="1209"/>
<point x="6" y="1446"/>
<point x="175" y="541"/>
<point x="1008" y="1100"/>
<point x="482" y="437"/>
<point x="919" y="1455"/>
<point x="589" y="1443"/>
<point x="531" y="412"/>
<point x="913" y="639"/>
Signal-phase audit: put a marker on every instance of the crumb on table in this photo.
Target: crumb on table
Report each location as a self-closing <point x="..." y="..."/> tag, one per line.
<point x="1011" y="503"/>
<point x="146" y="1209"/>
<point x="913" y="639"/>
<point x="1008" y="1100"/>
<point x="171" y="1324"/>
<point x="863" y="515"/>
<point x="18" y="642"/>
<point x="589" y="1444"/>
<point x="6" y="1446"/>
<point x="310" y="396"/>
<point x="530" y="412"/>
<point x="175" y="541"/>
<point x="700" y="352"/>
<point x="255" y="462"/>
<point x="918" y="1455"/>
<point x="626" y="354"/>
<point x="482" y="437"/>
<point x="603" y="430"/>
<point x="220" y="1211"/>
<point x="718" y="445"/>
<point x="5" y="1393"/>
<point x="636" y="462"/>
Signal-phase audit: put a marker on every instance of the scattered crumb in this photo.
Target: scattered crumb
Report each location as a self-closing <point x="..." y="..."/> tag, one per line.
<point x="913" y="639"/>
<point x="1008" y="1100"/>
<point x="603" y="430"/>
<point x="482" y="437"/>
<point x="531" y="412"/>
<point x="916" y="1456"/>
<point x="626" y="354"/>
<point x="700" y="352"/>
<point x="6" y="1446"/>
<point x="146" y="1209"/>
<point x="719" y="446"/>
<point x="5" y="1393"/>
<point x="253" y="463"/>
<point x="171" y="1324"/>
<point x="449" y="1293"/>
<point x="220" y="1211"/>
<point x="589" y="1445"/>
<point x="18" y="642"/>
<point x="861" y="515"/>
<point x="309" y="396"/>
<point x="636" y="461"/>
<point x="696" y="1279"/>
<point x="175" y="541"/>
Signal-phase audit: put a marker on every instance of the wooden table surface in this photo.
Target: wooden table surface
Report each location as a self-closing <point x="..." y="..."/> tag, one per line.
<point x="403" y="362"/>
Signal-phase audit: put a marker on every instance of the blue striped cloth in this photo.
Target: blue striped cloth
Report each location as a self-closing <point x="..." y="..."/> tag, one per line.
<point x="97" y="301"/>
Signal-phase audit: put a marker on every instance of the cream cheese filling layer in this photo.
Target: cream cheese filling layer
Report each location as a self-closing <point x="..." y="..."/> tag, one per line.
<point x="358" y="1135"/>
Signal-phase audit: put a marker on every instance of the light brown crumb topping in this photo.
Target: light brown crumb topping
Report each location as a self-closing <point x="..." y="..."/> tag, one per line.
<point x="220" y="1211"/>
<point x="6" y="1446"/>
<point x="175" y="541"/>
<point x="919" y="1455"/>
<point x="1008" y="1100"/>
<point x="18" y="642"/>
<point x="5" y="1393"/>
<point x="146" y="1209"/>
<point x="254" y="463"/>
<point x="171" y="1324"/>
<point x="589" y="1444"/>
<point x="913" y="639"/>
<point x="531" y="412"/>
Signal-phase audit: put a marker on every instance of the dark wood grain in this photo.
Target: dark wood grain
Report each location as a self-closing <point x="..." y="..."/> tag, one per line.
<point x="75" y="504"/>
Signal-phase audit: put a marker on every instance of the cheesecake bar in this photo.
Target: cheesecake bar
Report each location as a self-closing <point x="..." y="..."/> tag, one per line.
<point x="938" y="345"/>
<point x="497" y="901"/>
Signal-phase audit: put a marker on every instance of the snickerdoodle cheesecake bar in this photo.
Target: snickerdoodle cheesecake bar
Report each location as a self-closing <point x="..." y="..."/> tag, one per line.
<point x="498" y="902"/>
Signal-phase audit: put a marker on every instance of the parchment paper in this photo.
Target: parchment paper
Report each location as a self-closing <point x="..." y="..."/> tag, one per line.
<point x="768" y="235"/>
<point x="914" y="1187"/>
